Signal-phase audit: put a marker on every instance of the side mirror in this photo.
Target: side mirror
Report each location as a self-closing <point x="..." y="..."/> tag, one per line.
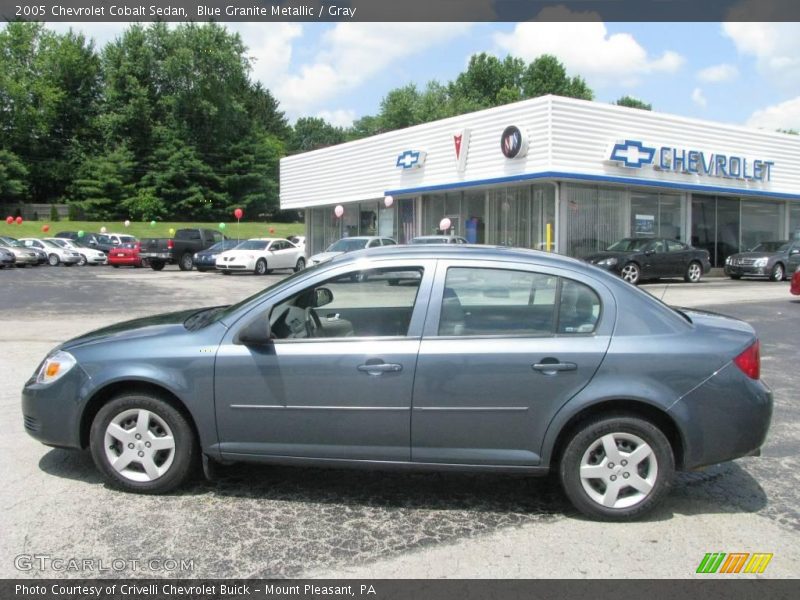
<point x="92" y="243"/>
<point x="322" y="296"/>
<point x="794" y="251"/>
<point x="649" y="252"/>
<point x="255" y="333"/>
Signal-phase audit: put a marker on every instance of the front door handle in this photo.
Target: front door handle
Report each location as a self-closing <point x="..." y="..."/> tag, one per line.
<point x="551" y="368"/>
<point x="377" y="369"/>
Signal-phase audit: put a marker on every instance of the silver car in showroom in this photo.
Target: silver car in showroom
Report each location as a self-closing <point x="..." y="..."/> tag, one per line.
<point x="477" y="358"/>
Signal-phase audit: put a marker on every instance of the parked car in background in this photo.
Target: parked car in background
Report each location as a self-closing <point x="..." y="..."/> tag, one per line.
<point x="439" y="239"/>
<point x="795" y="289"/>
<point x="298" y="240"/>
<point x="767" y="259"/>
<point x="126" y="255"/>
<point x="349" y="244"/>
<point x="39" y="254"/>
<point x="23" y="256"/>
<point x="89" y="256"/>
<point x="179" y="249"/>
<point x="206" y="260"/>
<point x="55" y="254"/>
<point x="97" y="241"/>
<point x="495" y="359"/>
<point x="7" y="258"/>
<point x="120" y="238"/>
<point x="261" y="256"/>
<point x="638" y="258"/>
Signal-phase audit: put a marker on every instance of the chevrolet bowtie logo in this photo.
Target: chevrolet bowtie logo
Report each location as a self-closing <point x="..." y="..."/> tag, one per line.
<point x="410" y="159"/>
<point x="633" y="154"/>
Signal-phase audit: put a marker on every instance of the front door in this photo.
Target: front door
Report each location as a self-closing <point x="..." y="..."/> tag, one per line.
<point x="504" y="348"/>
<point x="336" y="382"/>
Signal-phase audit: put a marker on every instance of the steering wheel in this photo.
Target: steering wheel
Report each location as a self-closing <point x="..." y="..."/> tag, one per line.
<point x="313" y="324"/>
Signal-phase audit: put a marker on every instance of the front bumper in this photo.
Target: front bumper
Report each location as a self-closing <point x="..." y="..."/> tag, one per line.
<point x="743" y="271"/>
<point x="51" y="413"/>
<point x="239" y="265"/>
<point x="726" y="417"/>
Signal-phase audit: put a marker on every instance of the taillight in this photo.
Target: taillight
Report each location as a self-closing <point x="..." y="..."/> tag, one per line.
<point x="749" y="361"/>
<point x="170" y="244"/>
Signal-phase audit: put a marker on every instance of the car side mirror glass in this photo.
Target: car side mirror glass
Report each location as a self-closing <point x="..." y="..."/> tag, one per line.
<point x="795" y="251"/>
<point x="322" y="297"/>
<point x="255" y="333"/>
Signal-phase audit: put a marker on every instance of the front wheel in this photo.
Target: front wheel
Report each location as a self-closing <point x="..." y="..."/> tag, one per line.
<point x="140" y="443"/>
<point x="617" y="468"/>
<point x="736" y="277"/>
<point x="301" y="264"/>
<point x="261" y="267"/>
<point x="156" y="265"/>
<point x="631" y="273"/>
<point x="82" y="262"/>
<point x="185" y="264"/>
<point x="777" y="273"/>
<point x="53" y="260"/>
<point x="693" y="272"/>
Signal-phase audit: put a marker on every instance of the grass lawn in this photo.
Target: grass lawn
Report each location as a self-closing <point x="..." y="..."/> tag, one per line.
<point x="143" y="230"/>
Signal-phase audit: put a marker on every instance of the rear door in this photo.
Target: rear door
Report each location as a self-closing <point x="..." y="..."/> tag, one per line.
<point x="505" y="346"/>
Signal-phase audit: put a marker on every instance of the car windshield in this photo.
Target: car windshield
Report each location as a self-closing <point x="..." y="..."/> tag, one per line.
<point x="630" y="245"/>
<point x="218" y="247"/>
<point x="127" y="239"/>
<point x="59" y="242"/>
<point x="12" y="243"/>
<point x="252" y="245"/>
<point x="347" y="245"/>
<point x="772" y="247"/>
<point x="431" y="240"/>
<point x="50" y="244"/>
<point x="128" y="246"/>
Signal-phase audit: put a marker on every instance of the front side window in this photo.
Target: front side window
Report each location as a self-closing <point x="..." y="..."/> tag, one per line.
<point x="372" y="303"/>
<point x="480" y="301"/>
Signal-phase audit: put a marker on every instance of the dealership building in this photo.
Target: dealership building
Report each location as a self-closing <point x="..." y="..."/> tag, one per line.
<point x="554" y="173"/>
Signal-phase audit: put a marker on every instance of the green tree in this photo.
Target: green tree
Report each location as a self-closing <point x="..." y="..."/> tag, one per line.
<point x="13" y="177"/>
<point x="546" y="75"/>
<point x="632" y="102"/>
<point x="103" y="183"/>
<point x="311" y="133"/>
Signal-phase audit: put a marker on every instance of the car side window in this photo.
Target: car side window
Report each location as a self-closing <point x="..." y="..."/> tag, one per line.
<point x="481" y="301"/>
<point x="579" y="308"/>
<point x="373" y="243"/>
<point x="673" y="246"/>
<point x="657" y="247"/>
<point x="373" y="303"/>
<point x="388" y="242"/>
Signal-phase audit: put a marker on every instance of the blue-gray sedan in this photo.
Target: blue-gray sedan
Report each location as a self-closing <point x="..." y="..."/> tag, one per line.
<point x="437" y="357"/>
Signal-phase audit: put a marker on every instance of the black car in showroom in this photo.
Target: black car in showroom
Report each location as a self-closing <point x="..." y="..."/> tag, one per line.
<point x="638" y="258"/>
<point x="776" y="260"/>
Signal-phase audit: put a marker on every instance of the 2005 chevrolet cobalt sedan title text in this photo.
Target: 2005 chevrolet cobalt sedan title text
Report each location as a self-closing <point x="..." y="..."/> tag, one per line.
<point x="441" y="357"/>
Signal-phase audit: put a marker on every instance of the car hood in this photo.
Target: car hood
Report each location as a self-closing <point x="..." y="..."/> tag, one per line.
<point x="755" y="254"/>
<point x="135" y="329"/>
<point x="598" y="256"/>
<point x="324" y="256"/>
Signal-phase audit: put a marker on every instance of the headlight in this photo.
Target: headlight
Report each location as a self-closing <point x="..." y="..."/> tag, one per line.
<point x="607" y="262"/>
<point x="761" y="262"/>
<point x="55" y="367"/>
<point x="729" y="260"/>
<point x="195" y="257"/>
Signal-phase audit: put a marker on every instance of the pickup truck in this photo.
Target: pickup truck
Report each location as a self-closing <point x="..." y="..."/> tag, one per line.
<point x="179" y="249"/>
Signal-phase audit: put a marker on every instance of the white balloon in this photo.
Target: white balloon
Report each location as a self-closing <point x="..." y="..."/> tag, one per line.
<point x="127" y="223"/>
<point x="388" y="201"/>
<point x="103" y="230"/>
<point x="444" y="224"/>
<point x="339" y="210"/>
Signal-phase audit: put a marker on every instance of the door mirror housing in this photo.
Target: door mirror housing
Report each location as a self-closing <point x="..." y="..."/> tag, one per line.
<point x="794" y="251"/>
<point x="255" y="333"/>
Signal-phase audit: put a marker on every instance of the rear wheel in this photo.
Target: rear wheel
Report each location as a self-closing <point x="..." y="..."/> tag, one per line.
<point x="156" y="265"/>
<point x="185" y="263"/>
<point x="140" y="443"/>
<point x="777" y="273"/>
<point x="53" y="260"/>
<point x="693" y="272"/>
<point x="631" y="273"/>
<point x="261" y="267"/>
<point x="301" y="264"/>
<point x="617" y="468"/>
<point x="226" y="272"/>
<point x="737" y="277"/>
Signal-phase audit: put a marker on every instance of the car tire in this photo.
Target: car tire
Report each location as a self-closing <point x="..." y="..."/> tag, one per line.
<point x="161" y="467"/>
<point x="226" y="272"/>
<point x="631" y="273"/>
<point x="185" y="263"/>
<point x="53" y="260"/>
<point x="778" y="273"/>
<point x="157" y="265"/>
<point x="82" y="262"/>
<point x="587" y="453"/>
<point x="301" y="264"/>
<point x="693" y="272"/>
<point x="736" y="277"/>
<point x="261" y="267"/>
<point x="115" y="266"/>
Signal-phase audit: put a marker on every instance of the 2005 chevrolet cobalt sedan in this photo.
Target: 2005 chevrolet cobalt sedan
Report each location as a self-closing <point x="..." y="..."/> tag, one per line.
<point x="437" y="357"/>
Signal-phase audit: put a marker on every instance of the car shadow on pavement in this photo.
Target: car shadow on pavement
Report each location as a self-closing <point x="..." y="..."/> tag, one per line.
<point x="725" y="488"/>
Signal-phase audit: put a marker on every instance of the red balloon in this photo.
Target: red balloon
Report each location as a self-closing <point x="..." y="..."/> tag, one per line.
<point x="45" y="228"/>
<point x="272" y="230"/>
<point x="9" y="219"/>
<point x="19" y="220"/>
<point x="238" y="213"/>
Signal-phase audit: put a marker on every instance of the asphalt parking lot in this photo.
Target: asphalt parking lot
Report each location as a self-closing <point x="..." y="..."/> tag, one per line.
<point x="261" y="521"/>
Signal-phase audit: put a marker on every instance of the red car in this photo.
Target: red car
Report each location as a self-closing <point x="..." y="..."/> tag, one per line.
<point x="795" y="289"/>
<point x="126" y="255"/>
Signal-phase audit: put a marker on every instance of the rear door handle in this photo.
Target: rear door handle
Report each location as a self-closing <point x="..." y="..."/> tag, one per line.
<point x="551" y="368"/>
<point x="379" y="368"/>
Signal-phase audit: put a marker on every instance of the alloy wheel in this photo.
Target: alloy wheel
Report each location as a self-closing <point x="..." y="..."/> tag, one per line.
<point x="694" y="272"/>
<point x="630" y="273"/>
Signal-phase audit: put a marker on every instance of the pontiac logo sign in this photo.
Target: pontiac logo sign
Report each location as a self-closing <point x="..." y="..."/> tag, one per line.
<point x="461" y="147"/>
<point x="513" y="142"/>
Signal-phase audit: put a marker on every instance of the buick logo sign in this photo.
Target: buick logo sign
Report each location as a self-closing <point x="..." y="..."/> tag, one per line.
<point x="514" y="142"/>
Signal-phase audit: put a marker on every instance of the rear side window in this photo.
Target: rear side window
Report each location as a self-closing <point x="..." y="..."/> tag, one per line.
<point x="187" y="234"/>
<point x="479" y="301"/>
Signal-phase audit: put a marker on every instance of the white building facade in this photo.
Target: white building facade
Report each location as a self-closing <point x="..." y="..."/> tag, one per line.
<point x="554" y="173"/>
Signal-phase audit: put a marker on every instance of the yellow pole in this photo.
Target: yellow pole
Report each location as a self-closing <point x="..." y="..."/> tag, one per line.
<point x="549" y="236"/>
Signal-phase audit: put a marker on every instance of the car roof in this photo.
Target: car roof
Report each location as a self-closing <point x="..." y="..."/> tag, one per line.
<point x="436" y="236"/>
